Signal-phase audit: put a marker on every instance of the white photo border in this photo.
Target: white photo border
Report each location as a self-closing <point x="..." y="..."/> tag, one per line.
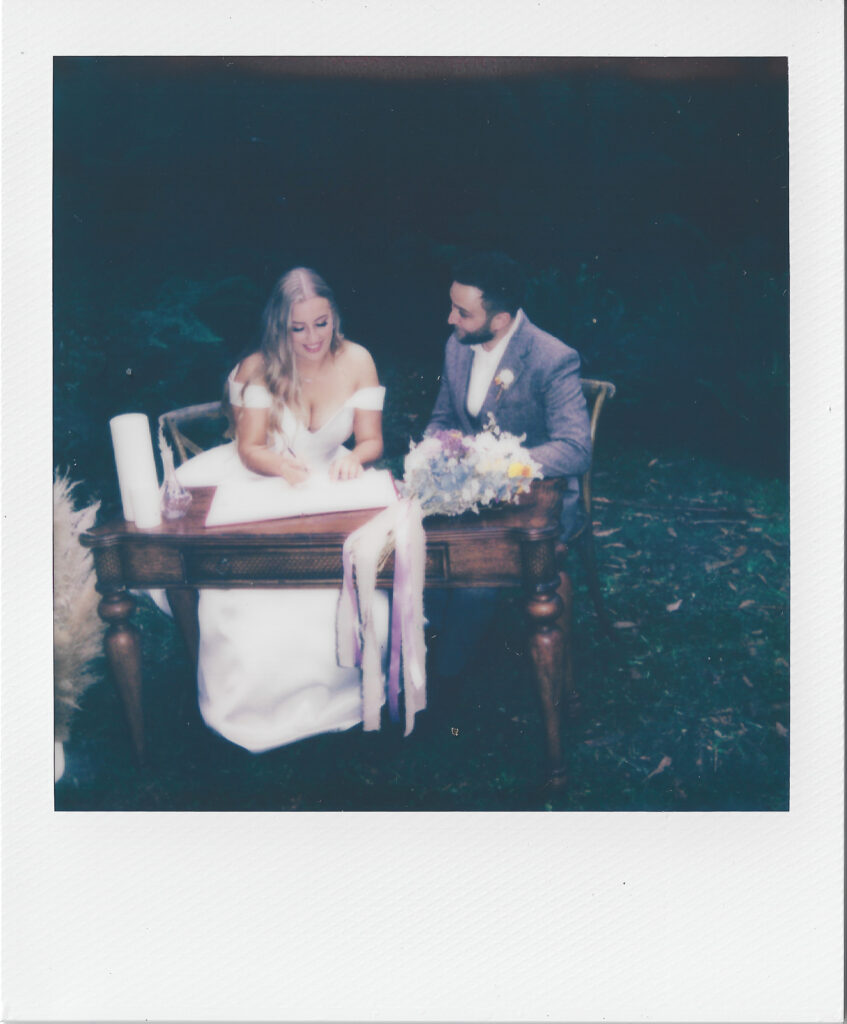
<point x="426" y="916"/>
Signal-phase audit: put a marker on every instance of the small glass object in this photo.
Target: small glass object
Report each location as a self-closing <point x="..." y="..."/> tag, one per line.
<point x="175" y="498"/>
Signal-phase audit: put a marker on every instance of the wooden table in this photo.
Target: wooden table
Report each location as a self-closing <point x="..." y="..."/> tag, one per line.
<point x="502" y="547"/>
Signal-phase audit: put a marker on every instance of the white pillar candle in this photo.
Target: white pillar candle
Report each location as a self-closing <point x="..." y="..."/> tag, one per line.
<point x="146" y="507"/>
<point x="137" y="476"/>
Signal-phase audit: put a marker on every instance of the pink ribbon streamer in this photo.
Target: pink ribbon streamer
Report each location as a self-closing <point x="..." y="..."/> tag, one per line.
<point x="403" y="521"/>
<point x="404" y="634"/>
<point x="349" y="609"/>
<point x="396" y="650"/>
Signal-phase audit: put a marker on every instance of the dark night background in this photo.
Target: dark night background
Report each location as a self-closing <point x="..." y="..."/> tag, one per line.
<point x="647" y="199"/>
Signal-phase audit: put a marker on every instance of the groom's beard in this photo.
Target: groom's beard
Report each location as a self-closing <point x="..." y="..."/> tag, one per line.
<point x="478" y="337"/>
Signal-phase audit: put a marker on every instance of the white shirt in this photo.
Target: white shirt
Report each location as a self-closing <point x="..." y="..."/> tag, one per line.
<point x="484" y="367"/>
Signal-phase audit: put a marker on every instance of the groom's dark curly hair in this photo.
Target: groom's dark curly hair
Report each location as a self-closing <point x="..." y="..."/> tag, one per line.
<point x="498" y="277"/>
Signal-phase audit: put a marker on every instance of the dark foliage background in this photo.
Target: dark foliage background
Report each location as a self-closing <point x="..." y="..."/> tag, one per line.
<point x="648" y="201"/>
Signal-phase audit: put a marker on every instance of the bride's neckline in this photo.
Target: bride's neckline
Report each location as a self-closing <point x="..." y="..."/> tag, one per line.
<point x="317" y="430"/>
<point x="344" y="405"/>
<point x="288" y="411"/>
<point x="319" y="375"/>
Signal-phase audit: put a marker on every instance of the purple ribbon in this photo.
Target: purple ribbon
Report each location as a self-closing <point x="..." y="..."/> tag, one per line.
<point x="403" y="623"/>
<point x="349" y="595"/>
<point x="399" y="611"/>
<point x="404" y="636"/>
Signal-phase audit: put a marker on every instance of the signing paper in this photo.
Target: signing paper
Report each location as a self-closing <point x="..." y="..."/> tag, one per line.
<point x="253" y="501"/>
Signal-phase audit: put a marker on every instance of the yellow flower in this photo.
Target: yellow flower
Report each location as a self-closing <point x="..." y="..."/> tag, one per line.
<point x="519" y="469"/>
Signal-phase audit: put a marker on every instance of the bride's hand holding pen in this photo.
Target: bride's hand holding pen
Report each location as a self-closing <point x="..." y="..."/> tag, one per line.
<point x="293" y="469"/>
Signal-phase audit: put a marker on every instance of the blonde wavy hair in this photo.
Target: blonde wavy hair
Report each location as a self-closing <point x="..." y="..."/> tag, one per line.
<point x="280" y="375"/>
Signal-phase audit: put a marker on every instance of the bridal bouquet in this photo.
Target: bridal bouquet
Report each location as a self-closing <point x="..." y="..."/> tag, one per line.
<point x="450" y="473"/>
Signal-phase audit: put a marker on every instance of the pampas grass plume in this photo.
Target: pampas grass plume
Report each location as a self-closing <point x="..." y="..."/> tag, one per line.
<point x="77" y="628"/>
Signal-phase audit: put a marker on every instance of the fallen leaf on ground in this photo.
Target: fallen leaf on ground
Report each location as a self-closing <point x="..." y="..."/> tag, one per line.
<point x="673" y="606"/>
<point x="770" y="555"/>
<point x="780" y="728"/>
<point x="606" y="533"/>
<point x="614" y="544"/>
<point x="652" y="462"/>
<point x="711" y="566"/>
<point x="660" y="767"/>
<point x="604" y="741"/>
<point x="782" y="661"/>
<point x="672" y="531"/>
<point x="624" y="625"/>
<point x="747" y="603"/>
<point x="732" y="586"/>
<point x="747" y="682"/>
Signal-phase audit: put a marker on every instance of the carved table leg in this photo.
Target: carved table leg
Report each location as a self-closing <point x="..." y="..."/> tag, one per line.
<point x="123" y="650"/>
<point x="183" y="602"/>
<point x="546" y="644"/>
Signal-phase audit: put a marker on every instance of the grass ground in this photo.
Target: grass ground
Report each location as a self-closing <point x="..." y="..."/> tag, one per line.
<point x="686" y="708"/>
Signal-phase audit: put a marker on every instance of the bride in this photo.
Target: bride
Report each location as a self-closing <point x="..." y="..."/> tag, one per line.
<point x="267" y="669"/>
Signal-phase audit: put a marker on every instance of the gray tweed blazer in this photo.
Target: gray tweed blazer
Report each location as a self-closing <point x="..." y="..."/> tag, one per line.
<point x="543" y="401"/>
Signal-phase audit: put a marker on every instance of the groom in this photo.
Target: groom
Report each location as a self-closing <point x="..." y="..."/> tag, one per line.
<point x="497" y="361"/>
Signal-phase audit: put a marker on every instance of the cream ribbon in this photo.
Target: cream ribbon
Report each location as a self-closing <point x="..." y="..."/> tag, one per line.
<point x="398" y="528"/>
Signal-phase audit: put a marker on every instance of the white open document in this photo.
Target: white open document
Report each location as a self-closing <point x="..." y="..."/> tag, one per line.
<point x="252" y="501"/>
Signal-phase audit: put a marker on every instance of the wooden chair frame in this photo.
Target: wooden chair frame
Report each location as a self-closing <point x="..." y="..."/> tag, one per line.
<point x="179" y="418"/>
<point x="596" y="393"/>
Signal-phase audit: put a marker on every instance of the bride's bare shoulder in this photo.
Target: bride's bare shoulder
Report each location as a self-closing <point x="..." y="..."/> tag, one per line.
<point x="251" y="369"/>
<point x="360" y="364"/>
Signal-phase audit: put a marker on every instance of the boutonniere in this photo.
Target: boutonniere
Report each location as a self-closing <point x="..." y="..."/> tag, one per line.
<point x="504" y="380"/>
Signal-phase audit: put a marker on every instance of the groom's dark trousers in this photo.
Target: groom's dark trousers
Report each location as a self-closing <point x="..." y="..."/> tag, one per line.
<point x="544" y="402"/>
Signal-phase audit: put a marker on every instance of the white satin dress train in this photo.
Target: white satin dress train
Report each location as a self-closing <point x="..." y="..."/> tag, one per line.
<point x="267" y="672"/>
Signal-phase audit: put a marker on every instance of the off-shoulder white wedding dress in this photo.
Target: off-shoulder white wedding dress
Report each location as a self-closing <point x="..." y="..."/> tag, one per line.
<point x="267" y="670"/>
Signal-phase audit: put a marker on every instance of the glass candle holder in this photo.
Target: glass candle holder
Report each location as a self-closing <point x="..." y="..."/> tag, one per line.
<point x="175" y="498"/>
